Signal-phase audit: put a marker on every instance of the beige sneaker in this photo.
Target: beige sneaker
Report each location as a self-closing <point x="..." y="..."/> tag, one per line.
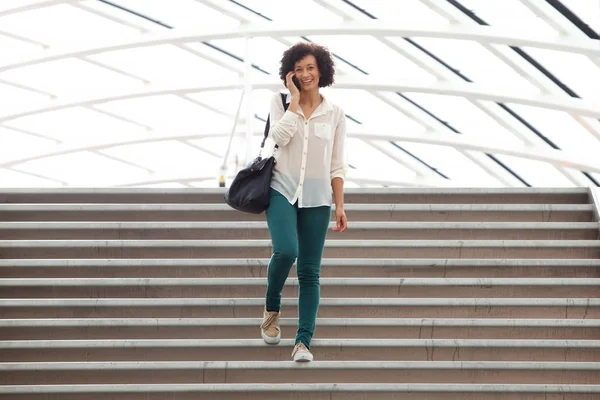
<point x="301" y="353"/>
<point x="269" y="329"/>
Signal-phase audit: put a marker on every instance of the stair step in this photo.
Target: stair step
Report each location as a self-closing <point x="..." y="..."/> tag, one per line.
<point x="312" y="391"/>
<point x="576" y="308"/>
<point x="149" y="294"/>
<point x="330" y="287"/>
<point x="333" y="248"/>
<point x="324" y="349"/>
<point x="315" y="372"/>
<point x="355" y="212"/>
<point x="240" y="328"/>
<point x="330" y="267"/>
<point x="259" y="230"/>
<point x="351" y="195"/>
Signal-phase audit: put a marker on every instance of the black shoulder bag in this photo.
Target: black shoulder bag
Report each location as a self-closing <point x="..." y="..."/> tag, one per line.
<point x="249" y="191"/>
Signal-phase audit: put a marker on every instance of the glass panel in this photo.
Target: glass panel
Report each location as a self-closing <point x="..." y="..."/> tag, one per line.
<point x="80" y="125"/>
<point x="237" y="48"/>
<point x="128" y="18"/>
<point x="57" y="24"/>
<point x="168" y="157"/>
<point x="285" y="10"/>
<point x="267" y="53"/>
<point x="223" y="100"/>
<point x="14" y="50"/>
<point x="383" y="62"/>
<point x="463" y="116"/>
<point x="587" y="10"/>
<point x="17" y="179"/>
<point x="10" y="4"/>
<point x="14" y="100"/>
<point x="219" y="145"/>
<point x="536" y="173"/>
<point x="261" y="101"/>
<point x="510" y="14"/>
<point x="169" y="113"/>
<point x="397" y="11"/>
<point x="562" y="130"/>
<point x="73" y="78"/>
<point x="217" y="58"/>
<point x="362" y="157"/>
<point x="85" y="169"/>
<point x="371" y="112"/>
<point x="450" y="162"/>
<point x="477" y="64"/>
<point x="580" y="74"/>
<point x="167" y="64"/>
<point x="15" y="145"/>
<point x="181" y="14"/>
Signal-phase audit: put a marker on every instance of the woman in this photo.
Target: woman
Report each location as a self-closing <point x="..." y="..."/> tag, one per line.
<point x="310" y="165"/>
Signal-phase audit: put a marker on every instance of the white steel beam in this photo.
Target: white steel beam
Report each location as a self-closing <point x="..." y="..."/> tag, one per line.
<point x="29" y="133"/>
<point x="225" y="8"/>
<point x="550" y="16"/>
<point x="40" y="176"/>
<point x="468" y="90"/>
<point x="441" y="138"/>
<point x="481" y="34"/>
<point x="28" y="88"/>
<point x="23" y="39"/>
<point x="35" y="6"/>
<point x="109" y="16"/>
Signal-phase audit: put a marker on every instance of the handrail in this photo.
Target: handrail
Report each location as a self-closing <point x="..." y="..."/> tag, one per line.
<point x="223" y="169"/>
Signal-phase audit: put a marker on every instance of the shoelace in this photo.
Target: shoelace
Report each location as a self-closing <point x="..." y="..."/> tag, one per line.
<point x="271" y="319"/>
<point x="300" y="347"/>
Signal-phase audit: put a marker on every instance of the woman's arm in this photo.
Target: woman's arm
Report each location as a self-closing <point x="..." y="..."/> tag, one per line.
<point x="337" y="184"/>
<point x="339" y="168"/>
<point x="283" y="124"/>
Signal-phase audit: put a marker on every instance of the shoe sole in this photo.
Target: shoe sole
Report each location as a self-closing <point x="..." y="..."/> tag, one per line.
<point x="303" y="357"/>
<point x="269" y="339"/>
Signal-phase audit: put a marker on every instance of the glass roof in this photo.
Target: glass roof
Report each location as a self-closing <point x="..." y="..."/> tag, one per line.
<point x="437" y="93"/>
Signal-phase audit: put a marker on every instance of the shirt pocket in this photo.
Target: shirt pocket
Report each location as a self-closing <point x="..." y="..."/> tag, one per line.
<point x="323" y="130"/>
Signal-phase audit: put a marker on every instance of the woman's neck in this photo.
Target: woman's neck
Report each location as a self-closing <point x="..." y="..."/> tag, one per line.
<point x="310" y="98"/>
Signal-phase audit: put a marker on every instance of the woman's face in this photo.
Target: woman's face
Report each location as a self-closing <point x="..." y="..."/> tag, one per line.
<point x="307" y="73"/>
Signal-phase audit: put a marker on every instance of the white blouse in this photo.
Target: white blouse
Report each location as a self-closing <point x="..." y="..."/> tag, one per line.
<point x="311" y="152"/>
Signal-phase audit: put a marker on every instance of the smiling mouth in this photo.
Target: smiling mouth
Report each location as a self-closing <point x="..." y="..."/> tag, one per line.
<point x="307" y="82"/>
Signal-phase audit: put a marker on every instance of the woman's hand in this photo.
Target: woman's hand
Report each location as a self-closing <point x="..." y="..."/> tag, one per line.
<point x="340" y="219"/>
<point x="289" y="83"/>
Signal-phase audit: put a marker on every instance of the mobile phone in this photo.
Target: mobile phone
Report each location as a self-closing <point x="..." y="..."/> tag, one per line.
<point x="295" y="80"/>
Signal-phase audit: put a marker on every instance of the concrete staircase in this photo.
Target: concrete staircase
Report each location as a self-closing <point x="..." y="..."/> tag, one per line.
<point x="431" y="294"/>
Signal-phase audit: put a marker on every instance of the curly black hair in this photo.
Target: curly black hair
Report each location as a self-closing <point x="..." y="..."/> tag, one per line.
<point x="300" y="50"/>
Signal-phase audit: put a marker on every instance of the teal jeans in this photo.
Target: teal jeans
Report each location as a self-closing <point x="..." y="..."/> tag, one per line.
<point x="296" y="233"/>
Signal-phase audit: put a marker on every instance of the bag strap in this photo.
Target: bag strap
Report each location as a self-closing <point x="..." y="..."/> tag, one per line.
<point x="268" y="125"/>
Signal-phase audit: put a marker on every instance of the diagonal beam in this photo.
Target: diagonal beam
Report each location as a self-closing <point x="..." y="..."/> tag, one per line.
<point x="35" y="6"/>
